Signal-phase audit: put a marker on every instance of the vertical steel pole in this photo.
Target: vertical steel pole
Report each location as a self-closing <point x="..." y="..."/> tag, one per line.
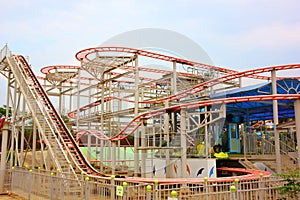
<point x="78" y="100"/>
<point x="22" y="133"/>
<point x="183" y="116"/>
<point x="207" y="145"/>
<point x="60" y="99"/>
<point x="174" y="78"/>
<point x="136" y="110"/>
<point x="33" y="145"/>
<point x="167" y="138"/>
<point x="102" y="148"/>
<point x="297" y="121"/>
<point x="89" y="144"/>
<point x="275" y="119"/>
<point x="144" y="151"/>
<point x="3" y="154"/>
<point x="113" y="157"/>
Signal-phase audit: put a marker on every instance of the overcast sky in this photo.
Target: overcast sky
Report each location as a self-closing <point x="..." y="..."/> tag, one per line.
<point x="236" y="34"/>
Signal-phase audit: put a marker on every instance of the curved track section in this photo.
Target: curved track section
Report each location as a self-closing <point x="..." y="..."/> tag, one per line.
<point x="83" y="56"/>
<point x="137" y="121"/>
<point x="200" y="87"/>
<point x="96" y="134"/>
<point x="249" y="174"/>
<point x="59" y="140"/>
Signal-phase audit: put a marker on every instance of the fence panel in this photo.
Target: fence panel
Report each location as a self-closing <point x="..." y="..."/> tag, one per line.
<point x="38" y="185"/>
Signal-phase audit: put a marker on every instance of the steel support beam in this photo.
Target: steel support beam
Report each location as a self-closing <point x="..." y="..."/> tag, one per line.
<point x="297" y="121"/>
<point x="136" y="112"/>
<point x="275" y="119"/>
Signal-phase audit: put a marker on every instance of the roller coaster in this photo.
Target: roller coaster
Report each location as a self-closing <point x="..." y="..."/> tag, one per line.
<point x="112" y="102"/>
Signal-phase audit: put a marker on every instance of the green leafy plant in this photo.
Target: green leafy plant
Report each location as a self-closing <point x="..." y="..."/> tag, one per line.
<point x="291" y="182"/>
<point x="3" y="111"/>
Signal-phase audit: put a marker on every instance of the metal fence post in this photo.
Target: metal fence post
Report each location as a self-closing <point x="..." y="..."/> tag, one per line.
<point x="232" y="192"/>
<point x="39" y="181"/>
<point x="12" y="179"/>
<point x="82" y="181"/>
<point x="261" y="186"/>
<point x="51" y="185"/>
<point x="87" y="188"/>
<point x="206" y="187"/>
<point x="236" y="182"/>
<point x="29" y="182"/>
<point x="148" y="194"/>
<point x="125" y="190"/>
<point x="112" y="190"/>
<point x="156" y="189"/>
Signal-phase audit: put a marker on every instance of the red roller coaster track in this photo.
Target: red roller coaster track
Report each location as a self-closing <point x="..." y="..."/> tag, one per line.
<point x="61" y="129"/>
<point x="83" y="57"/>
<point x="66" y="137"/>
<point x="202" y="86"/>
<point x="136" y="122"/>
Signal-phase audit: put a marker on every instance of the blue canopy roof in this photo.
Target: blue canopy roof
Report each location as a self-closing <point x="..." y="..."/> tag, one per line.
<point x="261" y="110"/>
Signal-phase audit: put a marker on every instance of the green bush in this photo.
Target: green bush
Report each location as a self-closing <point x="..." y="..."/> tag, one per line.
<point x="291" y="182"/>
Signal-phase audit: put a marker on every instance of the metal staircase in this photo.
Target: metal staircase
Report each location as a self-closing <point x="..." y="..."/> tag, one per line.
<point x="64" y="151"/>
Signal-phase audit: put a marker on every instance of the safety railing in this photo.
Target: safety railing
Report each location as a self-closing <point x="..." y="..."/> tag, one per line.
<point x="5" y="181"/>
<point x="37" y="184"/>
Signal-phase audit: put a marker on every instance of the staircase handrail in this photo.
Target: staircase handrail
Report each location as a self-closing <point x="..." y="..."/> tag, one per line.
<point x="281" y="150"/>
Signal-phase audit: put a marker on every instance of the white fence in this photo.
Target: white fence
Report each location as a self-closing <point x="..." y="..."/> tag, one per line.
<point x="38" y="185"/>
<point x="5" y="182"/>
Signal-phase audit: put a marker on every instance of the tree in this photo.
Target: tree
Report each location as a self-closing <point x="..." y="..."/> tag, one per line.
<point x="3" y="111"/>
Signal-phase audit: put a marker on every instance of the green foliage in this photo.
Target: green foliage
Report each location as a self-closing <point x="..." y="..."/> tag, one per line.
<point x="291" y="185"/>
<point x="3" y="111"/>
<point x="65" y="118"/>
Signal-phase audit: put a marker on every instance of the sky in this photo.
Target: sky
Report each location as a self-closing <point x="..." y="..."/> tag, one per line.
<point x="236" y="34"/>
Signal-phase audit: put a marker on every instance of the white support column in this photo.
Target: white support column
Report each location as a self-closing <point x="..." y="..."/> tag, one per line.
<point x="136" y="107"/>
<point x="275" y="119"/>
<point x="16" y="113"/>
<point x="78" y="101"/>
<point x="13" y="123"/>
<point x="33" y="145"/>
<point x="3" y="153"/>
<point x="12" y="144"/>
<point x="22" y="134"/>
<point x="113" y="158"/>
<point x="60" y="99"/>
<point x="124" y="156"/>
<point x="71" y="98"/>
<point x="206" y="134"/>
<point x="174" y="78"/>
<point x="247" y="132"/>
<point x="89" y="144"/>
<point x="167" y="138"/>
<point x="144" y="151"/>
<point x="42" y="159"/>
<point x="96" y="148"/>
<point x="183" y="117"/>
<point x="297" y="120"/>
<point x="103" y="150"/>
<point x="101" y="156"/>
